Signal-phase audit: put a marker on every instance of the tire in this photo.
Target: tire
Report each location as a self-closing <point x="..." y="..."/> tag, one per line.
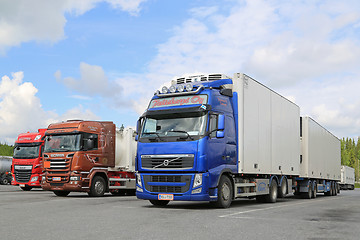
<point x="282" y="189"/>
<point x="308" y="194"/>
<point x="61" y="193"/>
<point x="98" y="187"/>
<point x="26" y="188"/>
<point x="5" y="181"/>
<point x="272" y="196"/>
<point x="314" y="190"/>
<point x="335" y="189"/>
<point x="225" y="193"/>
<point x="159" y="203"/>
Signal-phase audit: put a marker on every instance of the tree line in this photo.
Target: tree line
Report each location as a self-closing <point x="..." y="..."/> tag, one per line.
<point x="6" y="150"/>
<point x="350" y="154"/>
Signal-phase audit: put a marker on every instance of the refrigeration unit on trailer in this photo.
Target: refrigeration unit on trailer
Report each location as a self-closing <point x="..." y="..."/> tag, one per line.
<point x="89" y="156"/>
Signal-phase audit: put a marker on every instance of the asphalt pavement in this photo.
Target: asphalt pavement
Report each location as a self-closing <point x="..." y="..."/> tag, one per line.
<point x="38" y="214"/>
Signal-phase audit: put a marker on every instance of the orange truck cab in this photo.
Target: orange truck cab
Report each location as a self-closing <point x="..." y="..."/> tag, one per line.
<point x="89" y="156"/>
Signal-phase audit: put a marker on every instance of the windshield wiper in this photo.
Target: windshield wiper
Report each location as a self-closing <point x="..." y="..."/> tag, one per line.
<point x="157" y="136"/>
<point x="181" y="131"/>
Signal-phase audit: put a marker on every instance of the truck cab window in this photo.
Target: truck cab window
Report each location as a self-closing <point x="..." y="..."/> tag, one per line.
<point x="213" y="123"/>
<point x="90" y="141"/>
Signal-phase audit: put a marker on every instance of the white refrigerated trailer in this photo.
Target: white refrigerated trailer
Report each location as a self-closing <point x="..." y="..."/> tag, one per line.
<point x="347" y="178"/>
<point x="320" y="160"/>
<point x="280" y="152"/>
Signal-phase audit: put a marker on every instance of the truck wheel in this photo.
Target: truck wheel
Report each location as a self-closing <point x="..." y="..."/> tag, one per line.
<point x="272" y="196"/>
<point x="159" y="203"/>
<point x="225" y="193"/>
<point x="26" y="188"/>
<point x="314" y="190"/>
<point x="282" y="189"/>
<point x="61" y="193"/>
<point x="335" y="189"/>
<point x="308" y="194"/>
<point x="98" y="187"/>
<point x="5" y="181"/>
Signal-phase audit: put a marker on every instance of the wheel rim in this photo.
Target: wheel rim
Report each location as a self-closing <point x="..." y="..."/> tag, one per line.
<point x="225" y="191"/>
<point x="99" y="187"/>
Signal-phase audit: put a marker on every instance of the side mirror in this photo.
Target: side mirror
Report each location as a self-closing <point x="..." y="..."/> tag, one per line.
<point x="221" y="122"/>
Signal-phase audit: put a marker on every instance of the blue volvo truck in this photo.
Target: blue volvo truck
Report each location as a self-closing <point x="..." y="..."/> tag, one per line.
<point x="215" y="138"/>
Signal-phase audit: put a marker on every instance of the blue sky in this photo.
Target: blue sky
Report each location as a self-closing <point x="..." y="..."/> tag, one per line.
<point x="103" y="59"/>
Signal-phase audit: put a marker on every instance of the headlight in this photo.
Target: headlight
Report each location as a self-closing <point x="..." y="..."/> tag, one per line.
<point x="138" y="179"/>
<point x="180" y="88"/>
<point x="33" y="179"/>
<point x="189" y="87"/>
<point x="172" y="89"/>
<point x="197" y="180"/>
<point x="75" y="178"/>
<point x="164" y="89"/>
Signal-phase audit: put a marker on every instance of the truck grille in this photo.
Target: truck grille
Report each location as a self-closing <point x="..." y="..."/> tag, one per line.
<point x="162" y="183"/>
<point x="22" y="175"/>
<point x="185" y="161"/>
<point x="59" y="164"/>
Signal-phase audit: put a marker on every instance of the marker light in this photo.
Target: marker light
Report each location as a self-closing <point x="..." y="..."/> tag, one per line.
<point x="172" y="89"/>
<point x="180" y="88"/>
<point x="189" y="87"/>
<point x="164" y="89"/>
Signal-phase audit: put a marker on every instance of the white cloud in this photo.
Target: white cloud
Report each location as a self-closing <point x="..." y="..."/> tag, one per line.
<point x="302" y="49"/>
<point x="21" y="110"/>
<point x="93" y="82"/>
<point x="44" y="20"/>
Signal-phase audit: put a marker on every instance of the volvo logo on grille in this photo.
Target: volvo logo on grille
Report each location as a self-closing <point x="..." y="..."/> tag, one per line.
<point x="166" y="162"/>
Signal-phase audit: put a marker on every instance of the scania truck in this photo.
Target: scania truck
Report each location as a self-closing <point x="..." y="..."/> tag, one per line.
<point x="89" y="156"/>
<point x="27" y="160"/>
<point x="347" y="178"/>
<point x="215" y="138"/>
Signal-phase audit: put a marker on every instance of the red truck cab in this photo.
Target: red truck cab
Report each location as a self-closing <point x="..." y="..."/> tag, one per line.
<point x="27" y="160"/>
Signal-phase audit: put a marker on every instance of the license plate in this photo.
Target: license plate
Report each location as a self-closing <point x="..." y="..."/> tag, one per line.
<point x="56" y="178"/>
<point x="22" y="185"/>
<point x="166" y="197"/>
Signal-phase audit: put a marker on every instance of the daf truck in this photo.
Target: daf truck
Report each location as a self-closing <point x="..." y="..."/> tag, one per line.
<point x="27" y="160"/>
<point x="347" y="178"/>
<point x="89" y="156"/>
<point x="215" y="138"/>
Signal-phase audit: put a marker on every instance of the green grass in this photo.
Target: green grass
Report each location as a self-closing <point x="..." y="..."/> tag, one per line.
<point x="357" y="185"/>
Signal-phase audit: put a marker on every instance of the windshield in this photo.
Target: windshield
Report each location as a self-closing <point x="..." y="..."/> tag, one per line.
<point x="62" y="143"/>
<point x="185" y="126"/>
<point x="26" y="152"/>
